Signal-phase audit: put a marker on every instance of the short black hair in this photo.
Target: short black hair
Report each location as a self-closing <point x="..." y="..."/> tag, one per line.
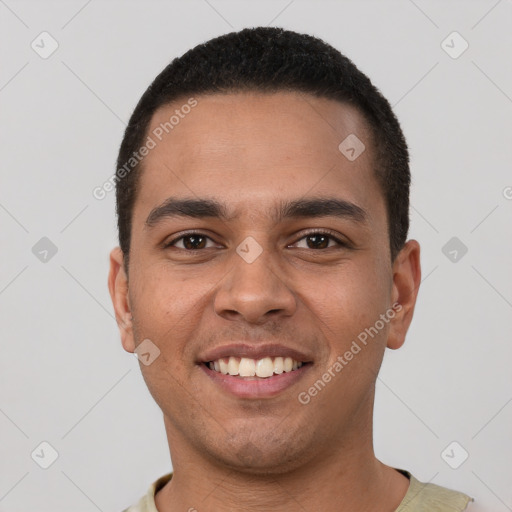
<point x="271" y="59"/>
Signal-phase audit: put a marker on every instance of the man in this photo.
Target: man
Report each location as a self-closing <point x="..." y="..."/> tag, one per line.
<point x="263" y="268"/>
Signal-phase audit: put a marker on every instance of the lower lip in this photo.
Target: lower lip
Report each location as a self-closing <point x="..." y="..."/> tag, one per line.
<point x="258" y="387"/>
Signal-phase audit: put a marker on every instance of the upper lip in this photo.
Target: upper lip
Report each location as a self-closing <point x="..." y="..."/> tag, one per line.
<point x="252" y="351"/>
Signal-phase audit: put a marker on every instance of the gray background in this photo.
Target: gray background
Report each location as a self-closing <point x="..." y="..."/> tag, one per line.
<point x="64" y="377"/>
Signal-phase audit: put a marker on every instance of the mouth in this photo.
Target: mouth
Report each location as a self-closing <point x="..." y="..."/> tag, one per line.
<point x="254" y="372"/>
<point x="252" y="369"/>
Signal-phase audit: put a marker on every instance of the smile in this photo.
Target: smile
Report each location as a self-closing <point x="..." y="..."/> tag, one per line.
<point x="261" y="368"/>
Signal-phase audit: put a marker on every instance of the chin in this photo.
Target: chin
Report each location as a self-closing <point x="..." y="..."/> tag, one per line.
<point x="261" y="456"/>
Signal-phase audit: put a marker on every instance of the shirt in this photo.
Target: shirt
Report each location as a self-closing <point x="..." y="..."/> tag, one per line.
<point x="420" y="497"/>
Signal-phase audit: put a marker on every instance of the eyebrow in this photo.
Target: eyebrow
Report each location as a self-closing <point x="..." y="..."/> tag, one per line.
<point x="300" y="208"/>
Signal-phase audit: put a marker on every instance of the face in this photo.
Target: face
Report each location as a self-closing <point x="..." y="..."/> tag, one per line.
<point x="279" y="250"/>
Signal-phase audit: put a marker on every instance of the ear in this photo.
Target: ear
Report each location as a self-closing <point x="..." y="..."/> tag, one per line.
<point x="118" y="287"/>
<point x="406" y="283"/>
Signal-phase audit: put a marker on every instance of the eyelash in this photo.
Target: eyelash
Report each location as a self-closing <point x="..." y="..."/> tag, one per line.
<point x="326" y="232"/>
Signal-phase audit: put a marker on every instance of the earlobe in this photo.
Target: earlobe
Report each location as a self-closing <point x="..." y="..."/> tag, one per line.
<point x="118" y="288"/>
<point x="405" y="287"/>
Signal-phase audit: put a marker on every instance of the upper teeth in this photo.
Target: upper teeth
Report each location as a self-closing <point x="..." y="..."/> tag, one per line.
<point x="246" y="367"/>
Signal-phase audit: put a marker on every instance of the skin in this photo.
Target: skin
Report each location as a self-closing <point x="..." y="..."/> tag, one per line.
<point x="251" y="151"/>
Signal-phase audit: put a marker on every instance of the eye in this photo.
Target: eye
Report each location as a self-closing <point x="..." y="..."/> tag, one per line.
<point x="190" y="242"/>
<point x="320" y="240"/>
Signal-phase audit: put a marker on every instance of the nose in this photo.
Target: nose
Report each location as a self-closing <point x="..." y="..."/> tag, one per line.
<point x="255" y="292"/>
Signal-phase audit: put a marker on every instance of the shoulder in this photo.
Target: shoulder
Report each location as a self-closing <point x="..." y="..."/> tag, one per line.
<point x="147" y="502"/>
<point x="428" y="497"/>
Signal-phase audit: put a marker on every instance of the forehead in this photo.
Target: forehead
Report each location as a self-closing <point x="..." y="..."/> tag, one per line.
<point x="249" y="148"/>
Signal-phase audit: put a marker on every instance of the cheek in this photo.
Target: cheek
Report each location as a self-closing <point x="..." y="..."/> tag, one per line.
<point x="349" y="300"/>
<point x="163" y="309"/>
<point x="169" y="309"/>
<point x="166" y="297"/>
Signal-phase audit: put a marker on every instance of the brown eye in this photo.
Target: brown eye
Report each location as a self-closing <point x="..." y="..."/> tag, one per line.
<point x="191" y="242"/>
<point x="194" y="242"/>
<point x="320" y="240"/>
